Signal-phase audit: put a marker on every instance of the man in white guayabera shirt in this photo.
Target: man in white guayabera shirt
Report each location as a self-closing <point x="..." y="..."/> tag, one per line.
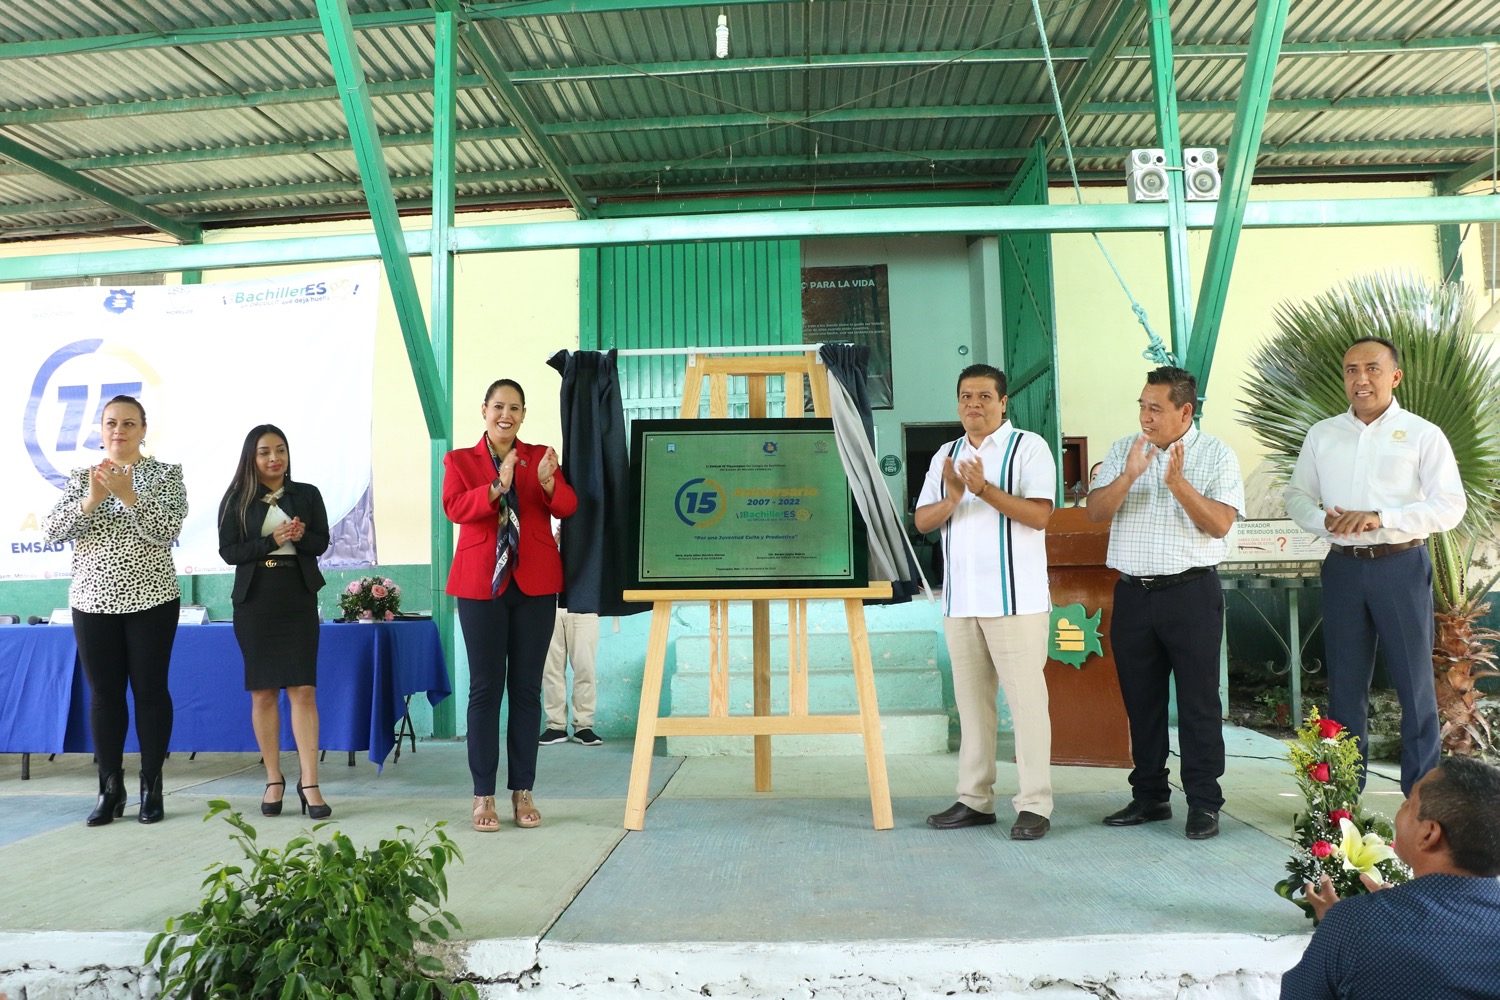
<point x="991" y="494"/>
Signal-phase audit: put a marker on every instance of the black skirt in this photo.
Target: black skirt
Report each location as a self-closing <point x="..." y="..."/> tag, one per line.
<point x="277" y="629"/>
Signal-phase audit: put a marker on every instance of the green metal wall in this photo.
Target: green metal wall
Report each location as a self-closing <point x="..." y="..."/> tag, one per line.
<point x="1030" y="321"/>
<point x="676" y="295"/>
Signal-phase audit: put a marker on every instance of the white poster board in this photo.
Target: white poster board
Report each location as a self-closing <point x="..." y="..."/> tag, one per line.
<point x="208" y="362"/>
<point x="1278" y="540"/>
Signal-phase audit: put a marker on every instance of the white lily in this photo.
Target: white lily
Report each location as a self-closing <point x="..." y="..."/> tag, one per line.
<point x="1363" y="853"/>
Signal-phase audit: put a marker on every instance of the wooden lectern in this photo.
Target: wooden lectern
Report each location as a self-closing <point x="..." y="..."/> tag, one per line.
<point x="1089" y="725"/>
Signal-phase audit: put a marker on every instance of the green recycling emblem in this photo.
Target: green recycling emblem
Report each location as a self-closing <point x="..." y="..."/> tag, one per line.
<point x="1074" y="635"/>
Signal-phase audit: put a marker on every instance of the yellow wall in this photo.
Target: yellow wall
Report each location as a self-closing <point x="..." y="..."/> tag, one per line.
<point x="1100" y="340"/>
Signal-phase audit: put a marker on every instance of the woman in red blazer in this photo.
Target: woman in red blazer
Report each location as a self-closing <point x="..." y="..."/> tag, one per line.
<point x="506" y="609"/>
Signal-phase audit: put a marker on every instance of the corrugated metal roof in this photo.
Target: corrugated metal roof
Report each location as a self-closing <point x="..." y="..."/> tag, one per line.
<point x="216" y="110"/>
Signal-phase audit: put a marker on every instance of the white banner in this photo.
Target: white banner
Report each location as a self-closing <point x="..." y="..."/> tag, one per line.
<point x="208" y="362"/>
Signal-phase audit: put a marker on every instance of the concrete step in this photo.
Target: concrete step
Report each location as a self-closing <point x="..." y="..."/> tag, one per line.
<point x="888" y="649"/>
<point x="901" y="732"/>
<point x="829" y="690"/>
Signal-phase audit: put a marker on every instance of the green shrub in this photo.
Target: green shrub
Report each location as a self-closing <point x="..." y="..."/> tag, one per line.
<point x="315" y="919"/>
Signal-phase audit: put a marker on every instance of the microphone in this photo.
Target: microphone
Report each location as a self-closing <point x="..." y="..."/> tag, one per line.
<point x="34" y="620"/>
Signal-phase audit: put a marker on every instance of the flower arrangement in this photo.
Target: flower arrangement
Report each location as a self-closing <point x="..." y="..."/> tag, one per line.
<point x="1334" y="837"/>
<point x="372" y="597"/>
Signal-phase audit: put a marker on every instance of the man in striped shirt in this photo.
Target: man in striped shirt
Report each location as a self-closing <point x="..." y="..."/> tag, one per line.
<point x="991" y="494"/>
<point x="1173" y="493"/>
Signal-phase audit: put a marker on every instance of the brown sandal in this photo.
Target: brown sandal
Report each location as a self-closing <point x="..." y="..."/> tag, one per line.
<point x="525" y="809"/>
<point x="485" y="819"/>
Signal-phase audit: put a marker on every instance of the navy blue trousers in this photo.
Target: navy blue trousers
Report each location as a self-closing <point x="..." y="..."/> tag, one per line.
<point x="1389" y="598"/>
<point x="1162" y="635"/>
<point x="506" y="639"/>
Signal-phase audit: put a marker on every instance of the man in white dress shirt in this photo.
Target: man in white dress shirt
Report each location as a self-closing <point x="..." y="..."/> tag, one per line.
<point x="1376" y="480"/>
<point x="991" y="494"/>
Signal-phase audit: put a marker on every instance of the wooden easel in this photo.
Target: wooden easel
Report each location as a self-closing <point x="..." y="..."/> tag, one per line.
<point x="762" y="725"/>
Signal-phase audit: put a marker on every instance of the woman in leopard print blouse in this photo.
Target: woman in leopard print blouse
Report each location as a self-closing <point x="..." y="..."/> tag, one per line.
<point x="122" y="517"/>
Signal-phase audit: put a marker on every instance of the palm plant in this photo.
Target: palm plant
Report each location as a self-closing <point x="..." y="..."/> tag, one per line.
<point x="1295" y="380"/>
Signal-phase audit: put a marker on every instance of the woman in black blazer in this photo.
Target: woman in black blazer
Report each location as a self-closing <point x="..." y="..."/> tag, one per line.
<point x="272" y="531"/>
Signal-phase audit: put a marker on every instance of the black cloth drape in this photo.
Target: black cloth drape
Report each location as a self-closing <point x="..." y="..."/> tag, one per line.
<point x="595" y="460"/>
<point x="889" y="545"/>
<point x="849" y="363"/>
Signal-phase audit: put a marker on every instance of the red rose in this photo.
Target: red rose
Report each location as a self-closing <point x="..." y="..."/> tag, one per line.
<point x="1321" y="849"/>
<point x="1328" y="729"/>
<point x="1319" y="772"/>
<point x="1339" y="814"/>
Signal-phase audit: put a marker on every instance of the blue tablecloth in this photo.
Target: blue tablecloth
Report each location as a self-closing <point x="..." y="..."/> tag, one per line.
<point x="365" y="674"/>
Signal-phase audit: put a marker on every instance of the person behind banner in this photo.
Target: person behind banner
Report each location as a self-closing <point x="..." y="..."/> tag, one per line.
<point x="575" y="640"/>
<point x="272" y="530"/>
<point x="123" y="516"/>
<point x="990" y="492"/>
<point x="506" y="574"/>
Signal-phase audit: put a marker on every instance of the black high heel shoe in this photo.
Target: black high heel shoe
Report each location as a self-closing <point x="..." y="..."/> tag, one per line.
<point x="151" y="800"/>
<point x="111" y="804"/>
<point x="272" y="808"/>
<point x="314" y="812"/>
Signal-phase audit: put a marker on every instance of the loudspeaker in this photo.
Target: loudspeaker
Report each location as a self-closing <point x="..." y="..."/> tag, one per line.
<point x="1201" y="174"/>
<point x="1146" y="175"/>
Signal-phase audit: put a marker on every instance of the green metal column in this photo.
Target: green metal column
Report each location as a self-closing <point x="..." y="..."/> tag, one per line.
<point x="1164" y="87"/>
<point x="444" y="116"/>
<point x="338" y="32"/>
<point x="1234" y="194"/>
<point x="1450" y="243"/>
<point x="1029" y="316"/>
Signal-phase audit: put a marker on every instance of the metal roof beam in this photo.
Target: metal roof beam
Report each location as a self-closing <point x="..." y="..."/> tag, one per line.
<point x="343" y="52"/>
<point x="215" y="34"/>
<point x="1234" y="195"/>
<point x="229" y="102"/>
<point x="481" y="53"/>
<point x="1125" y="19"/>
<point x="29" y="158"/>
<point x="760" y="225"/>
<point x="860" y="158"/>
<point x="1462" y="178"/>
<point x="217" y="102"/>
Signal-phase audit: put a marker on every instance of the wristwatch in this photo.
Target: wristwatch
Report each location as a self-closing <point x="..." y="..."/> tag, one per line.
<point x="496" y="484"/>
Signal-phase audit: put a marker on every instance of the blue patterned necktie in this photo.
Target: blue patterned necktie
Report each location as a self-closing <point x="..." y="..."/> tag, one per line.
<point x="507" y="538"/>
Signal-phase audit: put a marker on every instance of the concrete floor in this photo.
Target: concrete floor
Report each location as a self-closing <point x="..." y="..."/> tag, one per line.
<point x="726" y="890"/>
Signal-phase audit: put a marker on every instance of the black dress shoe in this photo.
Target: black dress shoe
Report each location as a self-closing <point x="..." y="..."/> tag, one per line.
<point x="1202" y="824"/>
<point x="1139" y="812"/>
<point x="959" y="815"/>
<point x="1030" y="826"/>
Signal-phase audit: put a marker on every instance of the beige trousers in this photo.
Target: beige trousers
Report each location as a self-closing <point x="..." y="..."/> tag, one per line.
<point x="1009" y="652"/>
<point x="576" y="638"/>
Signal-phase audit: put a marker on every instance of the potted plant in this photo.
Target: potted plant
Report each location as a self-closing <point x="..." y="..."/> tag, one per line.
<point x="1294" y="381"/>
<point x="317" y="919"/>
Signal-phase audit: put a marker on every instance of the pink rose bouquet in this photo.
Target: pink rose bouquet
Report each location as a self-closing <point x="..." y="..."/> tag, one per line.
<point x="371" y="598"/>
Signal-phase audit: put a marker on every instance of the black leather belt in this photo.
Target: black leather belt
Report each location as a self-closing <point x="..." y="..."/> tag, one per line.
<point x="276" y="561"/>
<point x="1172" y="580"/>
<point x="1376" y="551"/>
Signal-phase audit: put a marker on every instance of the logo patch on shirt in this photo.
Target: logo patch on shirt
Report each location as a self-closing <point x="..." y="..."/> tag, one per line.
<point x="1398" y="435"/>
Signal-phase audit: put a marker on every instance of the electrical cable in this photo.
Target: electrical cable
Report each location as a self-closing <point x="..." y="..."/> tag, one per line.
<point x="1155" y="351"/>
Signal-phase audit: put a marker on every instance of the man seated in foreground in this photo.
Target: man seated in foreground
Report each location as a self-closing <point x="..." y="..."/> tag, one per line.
<point x="1437" y="936"/>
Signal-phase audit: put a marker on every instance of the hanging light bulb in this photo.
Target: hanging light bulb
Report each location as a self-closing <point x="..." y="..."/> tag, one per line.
<point x="721" y="37"/>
